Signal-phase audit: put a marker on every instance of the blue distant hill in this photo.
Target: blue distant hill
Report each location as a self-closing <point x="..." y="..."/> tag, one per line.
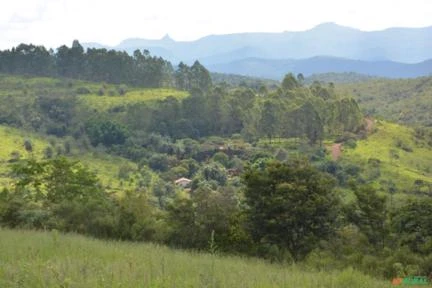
<point x="333" y="48"/>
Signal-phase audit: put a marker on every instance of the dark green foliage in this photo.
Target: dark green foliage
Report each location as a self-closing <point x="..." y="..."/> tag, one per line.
<point x="193" y="220"/>
<point x="214" y="172"/>
<point x="83" y="91"/>
<point x="159" y="162"/>
<point x="57" y="194"/>
<point x="106" y="132"/>
<point x="94" y="64"/>
<point x="194" y="77"/>
<point x="27" y="59"/>
<point x="137" y="217"/>
<point x="291" y="205"/>
<point x="268" y="124"/>
<point x="67" y="180"/>
<point x="369" y="213"/>
<point x="289" y="82"/>
<point x="232" y="80"/>
<point x="404" y="101"/>
<point x="413" y="222"/>
<point x="28" y="146"/>
<point x="58" y="113"/>
<point x="55" y="180"/>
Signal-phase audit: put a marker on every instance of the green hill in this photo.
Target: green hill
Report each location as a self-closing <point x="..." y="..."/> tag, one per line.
<point x="393" y="156"/>
<point x="50" y="259"/>
<point x="406" y="101"/>
<point x="106" y="167"/>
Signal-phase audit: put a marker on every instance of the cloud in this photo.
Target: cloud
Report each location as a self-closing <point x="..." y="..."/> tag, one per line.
<point x="56" y="22"/>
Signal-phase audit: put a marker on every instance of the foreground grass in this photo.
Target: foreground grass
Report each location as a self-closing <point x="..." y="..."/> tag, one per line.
<point x="49" y="259"/>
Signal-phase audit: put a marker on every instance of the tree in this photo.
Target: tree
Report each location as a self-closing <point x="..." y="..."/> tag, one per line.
<point x="69" y="180"/>
<point x="200" y="77"/>
<point x="289" y="82"/>
<point x="300" y="79"/>
<point x="206" y="212"/>
<point x="60" y="194"/>
<point x="291" y="205"/>
<point x="368" y="213"/>
<point x="413" y="224"/>
<point x="106" y="132"/>
<point x="312" y="124"/>
<point x="269" y="120"/>
<point x="70" y="61"/>
<point x="28" y="146"/>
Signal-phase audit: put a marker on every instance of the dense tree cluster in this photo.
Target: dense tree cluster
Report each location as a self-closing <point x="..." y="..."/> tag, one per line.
<point x="140" y="69"/>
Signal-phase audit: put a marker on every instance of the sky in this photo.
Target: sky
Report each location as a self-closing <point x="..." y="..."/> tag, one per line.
<point x="56" y="22"/>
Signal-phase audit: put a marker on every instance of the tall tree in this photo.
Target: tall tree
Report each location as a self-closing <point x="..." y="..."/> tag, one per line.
<point x="269" y="120"/>
<point x="369" y="213"/>
<point x="291" y="205"/>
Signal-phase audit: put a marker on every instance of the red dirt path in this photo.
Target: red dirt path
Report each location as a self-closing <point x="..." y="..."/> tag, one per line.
<point x="336" y="151"/>
<point x="369" y="124"/>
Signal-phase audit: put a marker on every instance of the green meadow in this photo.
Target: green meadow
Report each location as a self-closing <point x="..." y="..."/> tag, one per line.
<point x="106" y="102"/>
<point x="393" y="153"/>
<point x="50" y="259"/>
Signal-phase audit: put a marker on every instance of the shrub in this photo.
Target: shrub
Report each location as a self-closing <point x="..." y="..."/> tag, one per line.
<point x="122" y="90"/>
<point x="28" y="145"/>
<point x="83" y="91"/>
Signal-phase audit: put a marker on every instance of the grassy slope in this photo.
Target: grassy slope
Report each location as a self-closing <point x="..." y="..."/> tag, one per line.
<point x="403" y="171"/>
<point x="47" y="259"/>
<point x="406" y="101"/>
<point x="30" y="87"/>
<point x="106" y="102"/>
<point x="106" y="167"/>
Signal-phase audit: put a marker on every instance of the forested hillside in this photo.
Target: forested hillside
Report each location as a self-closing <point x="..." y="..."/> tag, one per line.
<point x="236" y="168"/>
<point x="406" y="101"/>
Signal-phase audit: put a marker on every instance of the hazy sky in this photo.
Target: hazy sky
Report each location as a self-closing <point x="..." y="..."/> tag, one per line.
<point x="55" y="22"/>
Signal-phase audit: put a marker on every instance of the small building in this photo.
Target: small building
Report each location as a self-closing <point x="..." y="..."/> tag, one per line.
<point x="183" y="182"/>
<point x="233" y="172"/>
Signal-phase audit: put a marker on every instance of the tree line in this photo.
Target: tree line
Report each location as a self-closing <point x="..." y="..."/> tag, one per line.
<point x="100" y="65"/>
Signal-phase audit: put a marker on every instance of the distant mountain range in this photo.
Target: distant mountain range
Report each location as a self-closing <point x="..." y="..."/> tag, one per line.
<point x="394" y="52"/>
<point x="276" y="68"/>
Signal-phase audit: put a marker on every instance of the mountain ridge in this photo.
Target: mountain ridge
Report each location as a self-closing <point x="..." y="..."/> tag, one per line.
<point x="277" y="68"/>
<point x="325" y="39"/>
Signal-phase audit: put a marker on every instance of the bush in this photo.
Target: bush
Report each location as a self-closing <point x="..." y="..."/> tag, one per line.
<point x="403" y="145"/>
<point x="159" y="162"/>
<point x="351" y="143"/>
<point x="83" y="91"/>
<point x="28" y="145"/>
<point x="101" y="91"/>
<point x="122" y="90"/>
<point x="48" y="152"/>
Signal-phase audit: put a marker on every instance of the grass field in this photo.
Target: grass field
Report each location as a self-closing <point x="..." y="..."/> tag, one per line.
<point x="106" y="102"/>
<point x="50" y="259"/>
<point x="402" y="159"/>
<point x="31" y="87"/>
